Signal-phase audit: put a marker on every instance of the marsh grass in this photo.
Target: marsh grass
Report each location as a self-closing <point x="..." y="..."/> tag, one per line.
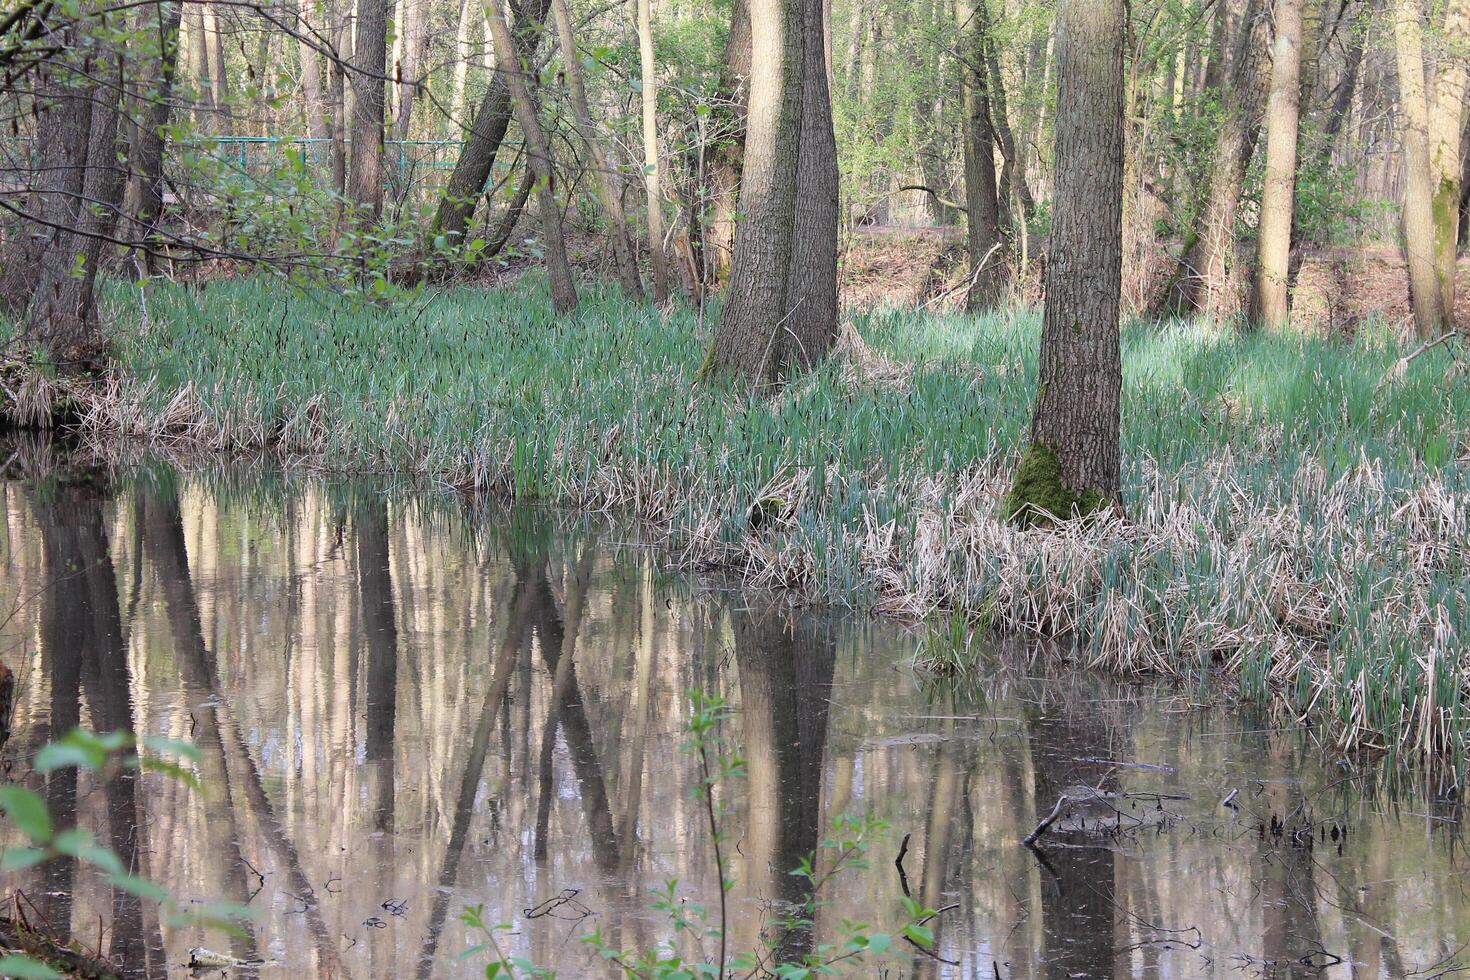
<point x="1291" y="519"/>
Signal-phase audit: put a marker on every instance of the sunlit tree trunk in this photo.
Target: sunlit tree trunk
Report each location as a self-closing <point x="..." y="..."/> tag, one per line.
<point x="1446" y="127"/>
<point x="463" y="50"/>
<point x="337" y="91"/>
<point x="482" y="143"/>
<point x="1273" y="237"/>
<point x="1072" y="464"/>
<point x="538" y="156"/>
<point x="406" y="71"/>
<point x="982" y="219"/>
<point x="220" y="87"/>
<point x="199" y="64"/>
<point x="313" y="85"/>
<point x="1418" y="214"/>
<point x="607" y="182"/>
<point x="756" y="305"/>
<point x="651" y="168"/>
<point x="725" y="168"/>
<point x="369" y="62"/>
<point x="811" y="290"/>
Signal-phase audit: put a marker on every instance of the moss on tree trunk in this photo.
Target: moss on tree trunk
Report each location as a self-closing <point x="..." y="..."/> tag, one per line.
<point x="1039" y="496"/>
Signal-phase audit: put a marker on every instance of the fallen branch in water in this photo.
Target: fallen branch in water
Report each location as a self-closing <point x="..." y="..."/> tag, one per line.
<point x="1046" y="822"/>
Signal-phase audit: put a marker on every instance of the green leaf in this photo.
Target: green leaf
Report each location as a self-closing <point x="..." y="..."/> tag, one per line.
<point x="141" y="887"/>
<point x="59" y="755"/>
<point x="172" y="746"/>
<point x="25" y="968"/>
<point x="16" y="858"/>
<point x="920" y="935"/>
<point x="79" y="844"/>
<point x="27" y="811"/>
<point x="879" y="942"/>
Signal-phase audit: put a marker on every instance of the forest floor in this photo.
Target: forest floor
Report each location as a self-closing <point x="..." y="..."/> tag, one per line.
<point x="1296" y="504"/>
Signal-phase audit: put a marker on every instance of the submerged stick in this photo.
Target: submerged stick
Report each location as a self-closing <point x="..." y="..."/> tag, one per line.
<point x="1046" y="822"/>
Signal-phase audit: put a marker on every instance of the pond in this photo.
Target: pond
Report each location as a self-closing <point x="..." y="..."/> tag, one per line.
<point x="404" y="705"/>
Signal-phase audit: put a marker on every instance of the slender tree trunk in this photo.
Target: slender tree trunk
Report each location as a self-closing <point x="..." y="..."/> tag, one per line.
<point x="199" y="64"/>
<point x="538" y="156"/>
<point x="1013" y="186"/>
<point x="1073" y="462"/>
<point x="410" y="64"/>
<point x="337" y="91"/>
<point x="1446" y="126"/>
<point x="375" y="594"/>
<point x="220" y="89"/>
<point x="153" y="127"/>
<point x="313" y="85"/>
<point x="462" y="53"/>
<point x="369" y="62"/>
<point x="811" y="289"/>
<point x="1273" y="239"/>
<point x="982" y="220"/>
<point x="477" y="159"/>
<point x="1342" y="99"/>
<point x="608" y="185"/>
<point x="650" y="152"/>
<point x="1418" y="213"/>
<point x="728" y="153"/>
<point x="756" y="307"/>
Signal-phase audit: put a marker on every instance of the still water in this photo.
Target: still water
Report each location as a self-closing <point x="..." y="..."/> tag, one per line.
<point x="404" y="707"/>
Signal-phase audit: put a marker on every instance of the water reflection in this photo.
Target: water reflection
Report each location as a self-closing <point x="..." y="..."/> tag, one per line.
<point x="402" y="709"/>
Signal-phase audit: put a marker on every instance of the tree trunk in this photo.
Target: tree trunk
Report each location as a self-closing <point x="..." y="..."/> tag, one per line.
<point x="462" y="52"/>
<point x="608" y="185"/>
<point x="477" y="159"/>
<point x="153" y="127"/>
<point x="650" y="153"/>
<point x="1342" y="99"/>
<point x="1208" y="278"/>
<point x="756" y="305"/>
<point x="811" y="290"/>
<point x="220" y="88"/>
<point x="1013" y="186"/>
<point x="982" y="220"/>
<point x="313" y="85"/>
<point x="375" y="594"/>
<point x="199" y="64"/>
<point x="510" y="67"/>
<point x="1446" y="127"/>
<point x="728" y="153"/>
<point x="1418" y="214"/>
<point x="1072" y="464"/>
<point x="1273" y="240"/>
<point x="407" y="70"/>
<point x="369" y="62"/>
<point x="337" y="91"/>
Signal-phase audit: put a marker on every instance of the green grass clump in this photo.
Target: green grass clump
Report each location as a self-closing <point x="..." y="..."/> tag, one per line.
<point x="1291" y="518"/>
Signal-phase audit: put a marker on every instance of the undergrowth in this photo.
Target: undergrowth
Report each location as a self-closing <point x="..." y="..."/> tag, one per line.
<point x="1292" y="517"/>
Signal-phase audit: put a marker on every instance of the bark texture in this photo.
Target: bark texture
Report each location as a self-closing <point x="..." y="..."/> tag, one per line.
<point x="510" y="67"/>
<point x="1418" y="213"/>
<point x="1273" y="239"/>
<point x="651" y="168"/>
<point x="153" y="125"/>
<point x="1073" y="463"/>
<point x="811" y="290"/>
<point x="983" y="217"/>
<point x="369" y="61"/>
<point x="756" y="302"/>
<point x="482" y="143"/>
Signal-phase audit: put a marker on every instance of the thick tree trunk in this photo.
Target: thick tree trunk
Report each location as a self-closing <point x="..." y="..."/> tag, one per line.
<point x="982" y="220"/>
<point x="510" y="67"/>
<point x="609" y="190"/>
<point x="369" y="62"/>
<point x="756" y="308"/>
<point x="651" y="167"/>
<point x="153" y="127"/>
<point x="477" y="159"/>
<point x="1418" y="212"/>
<point x="811" y="290"/>
<point x="1273" y="239"/>
<point x="1446" y="126"/>
<point x="1072" y="464"/>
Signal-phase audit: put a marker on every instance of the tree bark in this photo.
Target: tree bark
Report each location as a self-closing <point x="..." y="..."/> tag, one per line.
<point x="153" y="126"/>
<point x="220" y="88"/>
<point x="477" y="159"/>
<point x="462" y="51"/>
<point x="1072" y="464"/>
<point x="369" y="62"/>
<point x="650" y="153"/>
<point x="313" y="85"/>
<point x="1418" y="211"/>
<point x="982" y="219"/>
<point x="538" y="157"/>
<point x="756" y="305"/>
<point x="406" y="72"/>
<point x="199" y="63"/>
<point x="1273" y="237"/>
<point x="811" y="290"/>
<point x="609" y="190"/>
<point x="1446" y="126"/>
<point x="728" y="153"/>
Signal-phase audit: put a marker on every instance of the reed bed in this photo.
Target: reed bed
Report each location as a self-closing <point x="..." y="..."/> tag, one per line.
<point x="1295" y="521"/>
